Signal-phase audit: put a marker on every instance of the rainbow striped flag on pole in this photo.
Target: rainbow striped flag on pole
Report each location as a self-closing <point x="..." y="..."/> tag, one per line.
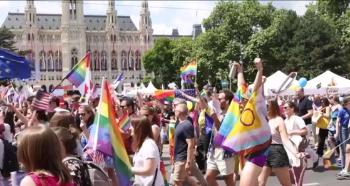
<point x="246" y="132"/>
<point x="106" y="138"/>
<point x="189" y="70"/>
<point x="80" y="75"/>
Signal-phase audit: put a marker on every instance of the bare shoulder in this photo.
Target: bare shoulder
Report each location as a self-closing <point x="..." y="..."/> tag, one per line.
<point x="27" y="181"/>
<point x="279" y="120"/>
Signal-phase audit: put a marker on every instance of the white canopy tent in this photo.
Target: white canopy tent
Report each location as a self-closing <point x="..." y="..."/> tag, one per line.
<point x="328" y="83"/>
<point x="274" y="81"/>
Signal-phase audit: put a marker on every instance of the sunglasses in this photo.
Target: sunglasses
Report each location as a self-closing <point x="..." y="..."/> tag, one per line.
<point x="82" y="114"/>
<point x="123" y="106"/>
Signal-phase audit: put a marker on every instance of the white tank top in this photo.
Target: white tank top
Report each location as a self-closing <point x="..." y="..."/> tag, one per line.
<point x="276" y="137"/>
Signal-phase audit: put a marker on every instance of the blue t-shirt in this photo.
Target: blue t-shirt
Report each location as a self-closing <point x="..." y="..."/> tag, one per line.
<point x="184" y="130"/>
<point x="344" y="116"/>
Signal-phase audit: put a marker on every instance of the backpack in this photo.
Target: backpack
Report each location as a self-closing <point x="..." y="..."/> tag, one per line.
<point x="10" y="162"/>
<point x="97" y="176"/>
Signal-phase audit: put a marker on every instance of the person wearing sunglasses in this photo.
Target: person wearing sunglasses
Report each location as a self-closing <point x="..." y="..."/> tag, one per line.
<point x="128" y="105"/>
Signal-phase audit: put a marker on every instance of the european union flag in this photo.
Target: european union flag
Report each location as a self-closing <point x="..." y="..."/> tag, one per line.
<point x="13" y="65"/>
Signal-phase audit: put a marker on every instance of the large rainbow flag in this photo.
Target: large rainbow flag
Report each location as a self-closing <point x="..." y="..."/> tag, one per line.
<point x="80" y="75"/>
<point x="189" y="70"/>
<point x="106" y="138"/>
<point x="246" y="132"/>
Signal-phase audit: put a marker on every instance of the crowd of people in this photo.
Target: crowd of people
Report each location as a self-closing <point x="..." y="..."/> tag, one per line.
<point x="49" y="147"/>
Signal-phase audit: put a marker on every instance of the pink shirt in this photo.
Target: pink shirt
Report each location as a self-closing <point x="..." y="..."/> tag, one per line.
<point x="46" y="180"/>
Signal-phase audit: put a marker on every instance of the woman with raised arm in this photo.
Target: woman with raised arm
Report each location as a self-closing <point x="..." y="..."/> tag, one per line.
<point x="255" y="161"/>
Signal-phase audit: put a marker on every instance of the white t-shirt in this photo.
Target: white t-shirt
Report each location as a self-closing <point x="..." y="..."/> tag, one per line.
<point x="294" y="123"/>
<point x="148" y="150"/>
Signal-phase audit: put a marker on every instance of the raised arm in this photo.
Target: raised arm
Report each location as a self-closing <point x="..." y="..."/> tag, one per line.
<point x="193" y="99"/>
<point x="240" y="76"/>
<point x="20" y="116"/>
<point x="259" y="75"/>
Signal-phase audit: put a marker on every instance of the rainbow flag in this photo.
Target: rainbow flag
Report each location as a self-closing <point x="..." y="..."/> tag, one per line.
<point x="77" y="75"/>
<point x="242" y="92"/>
<point x="246" y="132"/>
<point x="164" y="173"/>
<point x="164" y="94"/>
<point x="171" y="141"/>
<point x="124" y="122"/>
<point x="188" y="70"/>
<point x="106" y="138"/>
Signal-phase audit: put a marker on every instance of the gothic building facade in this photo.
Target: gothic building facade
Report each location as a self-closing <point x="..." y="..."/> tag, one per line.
<point x="57" y="42"/>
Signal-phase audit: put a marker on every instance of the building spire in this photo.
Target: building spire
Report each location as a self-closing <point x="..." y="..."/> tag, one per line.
<point x="30" y="4"/>
<point x="30" y="13"/>
<point x="145" y="17"/>
<point x="111" y="21"/>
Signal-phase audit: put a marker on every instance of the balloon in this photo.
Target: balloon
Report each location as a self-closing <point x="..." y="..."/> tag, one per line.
<point x="302" y="82"/>
<point x="295" y="87"/>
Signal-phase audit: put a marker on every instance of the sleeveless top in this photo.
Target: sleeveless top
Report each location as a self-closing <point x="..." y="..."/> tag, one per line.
<point x="47" y="180"/>
<point x="276" y="137"/>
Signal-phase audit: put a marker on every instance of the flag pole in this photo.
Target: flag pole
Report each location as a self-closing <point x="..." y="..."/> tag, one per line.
<point x="59" y="84"/>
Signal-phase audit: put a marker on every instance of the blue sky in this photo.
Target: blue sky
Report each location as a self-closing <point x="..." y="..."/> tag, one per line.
<point x="165" y="15"/>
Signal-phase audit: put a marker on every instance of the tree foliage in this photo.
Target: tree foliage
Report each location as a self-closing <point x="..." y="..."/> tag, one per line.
<point x="166" y="59"/>
<point x="7" y="39"/>
<point x="308" y="44"/>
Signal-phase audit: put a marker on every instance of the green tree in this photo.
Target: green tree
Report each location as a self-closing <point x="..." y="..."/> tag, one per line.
<point x="316" y="44"/>
<point x="240" y="30"/>
<point x="334" y="8"/>
<point x="158" y="60"/>
<point x="7" y="39"/>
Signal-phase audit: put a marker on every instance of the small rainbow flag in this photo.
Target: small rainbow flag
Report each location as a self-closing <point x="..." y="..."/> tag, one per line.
<point x="165" y="94"/>
<point x="247" y="132"/>
<point x="189" y="70"/>
<point x="106" y="138"/>
<point x="124" y="122"/>
<point x="164" y="173"/>
<point x="171" y="140"/>
<point x="79" y="72"/>
<point x="242" y="92"/>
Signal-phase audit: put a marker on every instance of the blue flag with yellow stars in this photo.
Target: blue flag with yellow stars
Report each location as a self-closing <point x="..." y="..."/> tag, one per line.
<point x="13" y="65"/>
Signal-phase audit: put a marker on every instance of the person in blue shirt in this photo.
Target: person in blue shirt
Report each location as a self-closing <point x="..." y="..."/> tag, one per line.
<point x="342" y="132"/>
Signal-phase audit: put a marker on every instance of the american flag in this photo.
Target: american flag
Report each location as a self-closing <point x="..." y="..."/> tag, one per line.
<point x="41" y="101"/>
<point x="190" y="92"/>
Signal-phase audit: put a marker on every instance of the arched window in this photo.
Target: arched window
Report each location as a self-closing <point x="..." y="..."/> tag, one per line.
<point x="50" y="61"/>
<point x="42" y="62"/>
<point x="124" y="61"/>
<point x="56" y="61"/>
<point x="96" y="63"/>
<point x="138" y="60"/>
<point x="114" y="63"/>
<point x="74" y="59"/>
<point x="103" y="60"/>
<point x="59" y="61"/>
<point x="131" y="61"/>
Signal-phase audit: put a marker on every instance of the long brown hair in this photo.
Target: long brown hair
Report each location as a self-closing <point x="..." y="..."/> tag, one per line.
<point x="39" y="149"/>
<point x="67" y="138"/>
<point x="142" y="130"/>
<point x="274" y="109"/>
